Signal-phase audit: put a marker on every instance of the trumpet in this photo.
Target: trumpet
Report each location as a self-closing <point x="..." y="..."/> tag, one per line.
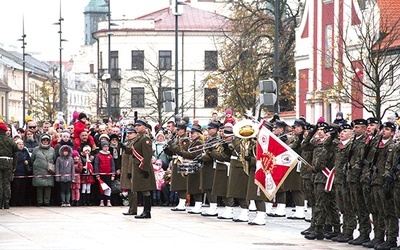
<point x="209" y="145"/>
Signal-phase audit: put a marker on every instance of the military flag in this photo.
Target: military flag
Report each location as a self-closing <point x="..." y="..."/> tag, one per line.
<point x="275" y="160"/>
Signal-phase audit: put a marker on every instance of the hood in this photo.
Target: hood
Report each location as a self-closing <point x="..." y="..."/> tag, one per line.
<point x="62" y="149"/>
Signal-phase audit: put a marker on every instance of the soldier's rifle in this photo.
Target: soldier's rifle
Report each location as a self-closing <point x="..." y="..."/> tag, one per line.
<point x="347" y="165"/>
<point x="372" y="165"/>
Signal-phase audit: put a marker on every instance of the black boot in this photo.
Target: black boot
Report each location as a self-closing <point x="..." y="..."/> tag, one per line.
<point x="314" y="235"/>
<point x="146" y="208"/>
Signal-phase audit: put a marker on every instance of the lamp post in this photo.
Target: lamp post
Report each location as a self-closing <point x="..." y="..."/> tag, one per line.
<point x="61" y="40"/>
<point x="276" y="55"/>
<point x="23" y="71"/>
<point x="177" y="14"/>
<point x="109" y="59"/>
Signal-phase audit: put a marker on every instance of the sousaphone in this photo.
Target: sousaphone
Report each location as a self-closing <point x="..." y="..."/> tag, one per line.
<point x="245" y="129"/>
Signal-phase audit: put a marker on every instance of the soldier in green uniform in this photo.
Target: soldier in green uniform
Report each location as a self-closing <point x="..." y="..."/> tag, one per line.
<point x="143" y="179"/>
<point x="306" y="174"/>
<point x="8" y="163"/>
<point x="193" y="180"/>
<point x="366" y="158"/>
<point x="325" y="207"/>
<point x="342" y="193"/>
<point x="354" y="185"/>
<point x="382" y="199"/>
<point x="395" y="171"/>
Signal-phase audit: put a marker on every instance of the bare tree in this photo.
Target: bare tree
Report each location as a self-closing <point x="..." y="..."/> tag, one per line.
<point x="42" y="101"/>
<point x="368" y="73"/>
<point x="247" y="56"/>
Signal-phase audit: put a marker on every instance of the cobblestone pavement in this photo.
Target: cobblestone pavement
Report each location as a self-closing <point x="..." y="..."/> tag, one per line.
<point x="106" y="228"/>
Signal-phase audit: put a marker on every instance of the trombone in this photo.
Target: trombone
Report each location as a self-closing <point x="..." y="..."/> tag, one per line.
<point x="209" y="145"/>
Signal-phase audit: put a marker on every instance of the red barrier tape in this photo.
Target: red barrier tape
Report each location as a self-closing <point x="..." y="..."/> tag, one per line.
<point x="54" y="175"/>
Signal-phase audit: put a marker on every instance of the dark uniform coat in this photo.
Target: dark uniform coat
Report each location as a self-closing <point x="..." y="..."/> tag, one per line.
<point x="238" y="179"/>
<point x="126" y="164"/>
<point x="222" y="156"/>
<point x="143" y="146"/>
<point x="180" y="144"/>
<point x="207" y="172"/>
<point x="8" y="163"/>
<point x="293" y="180"/>
<point x="193" y="180"/>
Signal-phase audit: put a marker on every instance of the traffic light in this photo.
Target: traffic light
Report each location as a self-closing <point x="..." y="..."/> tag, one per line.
<point x="168" y="101"/>
<point x="268" y="92"/>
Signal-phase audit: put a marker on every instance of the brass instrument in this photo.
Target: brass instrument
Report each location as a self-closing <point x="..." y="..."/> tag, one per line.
<point x="245" y="129"/>
<point x="209" y="145"/>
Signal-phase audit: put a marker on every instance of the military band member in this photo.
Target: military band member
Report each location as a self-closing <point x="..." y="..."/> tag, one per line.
<point x="207" y="172"/>
<point x="381" y="196"/>
<point x="126" y="170"/>
<point x="193" y="180"/>
<point x="293" y="182"/>
<point x="354" y="185"/>
<point x="178" y="182"/>
<point x="280" y="197"/>
<point x="342" y="193"/>
<point x="222" y="155"/>
<point x="143" y="179"/>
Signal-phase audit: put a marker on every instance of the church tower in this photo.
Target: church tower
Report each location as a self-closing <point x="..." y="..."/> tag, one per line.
<point x="95" y="12"/>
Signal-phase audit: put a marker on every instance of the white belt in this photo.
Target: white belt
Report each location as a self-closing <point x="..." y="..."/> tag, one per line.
<point x="234" y="157"/>
<point x="6" y="157"/>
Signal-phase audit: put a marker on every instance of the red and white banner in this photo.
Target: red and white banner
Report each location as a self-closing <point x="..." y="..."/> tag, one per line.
<point x="104" y="188"/>
<point x="275" y="160"/>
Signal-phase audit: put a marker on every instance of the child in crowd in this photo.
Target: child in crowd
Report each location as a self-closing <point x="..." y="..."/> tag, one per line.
<point x="104" y="167"/>
<point x="76" y="186"/>
<point x="159" y="175"/>
<point x="79" y="126"/>
<point x="65" y="168"/>
<point x="229" y="117"/>
<point x="86" y="178"/>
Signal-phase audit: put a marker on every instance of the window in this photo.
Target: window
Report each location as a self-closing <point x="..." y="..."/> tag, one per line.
<point x="328" y="46"/>
<point x="137" y="97"/>
<point x="137" y="59"/>
<point x="114" y="59"/>
<point x="91" y="68"/>
<point x="115" y="97"/>
<point x="211" y="60"/>
<point x="210" y="97"/>
<point x="165" y="60"/>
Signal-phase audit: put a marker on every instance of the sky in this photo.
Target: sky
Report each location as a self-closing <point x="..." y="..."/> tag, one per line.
<point x="42" y="35"/>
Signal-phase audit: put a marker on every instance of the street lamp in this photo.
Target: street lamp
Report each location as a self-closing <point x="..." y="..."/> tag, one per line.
<point x="177" y="14"/>
<point x="276" y="56"/>
<point x="61" y="40"/>
<point x="23" y="70"/>
<point x="109" y="58"/>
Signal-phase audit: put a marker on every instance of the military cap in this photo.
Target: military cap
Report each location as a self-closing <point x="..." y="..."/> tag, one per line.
<point x="345" y="126"/>
<point x="181" y="126"/>
<point x="131" y="130"/>
<point x="373" y="120"/>
<point x="329" y="129"/>
<point x="140" y="123"/>
<point x="309" y="126"/>
<point x="299" y="123"/>
<point x="322" y="125"/>
<point x="389" y="125"/>
<point x="359" y="122"/>
<point x="196" y="129"/>
<point x="212" y="125"/>
<point x="280" y="124"/>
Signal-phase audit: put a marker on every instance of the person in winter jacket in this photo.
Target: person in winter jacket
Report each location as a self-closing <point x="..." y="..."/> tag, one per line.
<point x="76" y="185"/>
<point x="24" y="167"/>
<point x="80" y="126"/>
<point x="30" y="141"/>
<point x="43" y="180"/>
<point x="65" y="168"/>
<point x="104" y="167"/>
<point x="86" y="177"/>
<point x="65" y="140"/>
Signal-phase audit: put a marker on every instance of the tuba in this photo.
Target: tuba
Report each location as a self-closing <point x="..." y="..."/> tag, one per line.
<point x="246" y="130"/>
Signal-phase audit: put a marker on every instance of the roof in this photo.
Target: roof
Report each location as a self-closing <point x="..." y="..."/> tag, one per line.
<point x="390" y="20"/>
<point x="192" y="19"/>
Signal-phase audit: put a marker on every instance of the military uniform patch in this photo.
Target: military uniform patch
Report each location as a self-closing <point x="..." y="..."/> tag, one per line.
<point x="147" y="142"/>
